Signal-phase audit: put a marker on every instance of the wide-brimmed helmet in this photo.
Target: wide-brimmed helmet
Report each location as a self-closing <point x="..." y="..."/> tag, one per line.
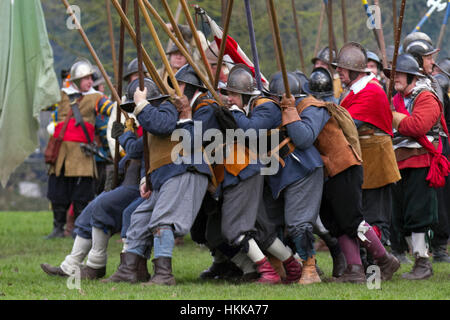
<point x="241" y="80"/>
<point x="352" y="56"/>
<point x="153" y="93"/>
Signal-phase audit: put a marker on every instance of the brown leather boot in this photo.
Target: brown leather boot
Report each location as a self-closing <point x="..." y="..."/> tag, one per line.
<point x="422" y="269"/>
<point x="132" y="269"/>
<point x="277" y="264"/>
<point x="309" y="272"/>
<point x="354" y="273"/>
<point x="53" y="271"/>
<point x="162" y="268"/>
<point x="87" y="272"/>
<point x="388" y="266"/>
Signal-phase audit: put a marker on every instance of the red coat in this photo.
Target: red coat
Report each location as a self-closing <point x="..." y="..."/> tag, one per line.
<point x="370" y="105"/>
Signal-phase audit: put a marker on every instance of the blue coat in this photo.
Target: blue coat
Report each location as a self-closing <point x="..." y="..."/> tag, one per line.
<point x="305" y="158"/>
<point x="162" y="121"/>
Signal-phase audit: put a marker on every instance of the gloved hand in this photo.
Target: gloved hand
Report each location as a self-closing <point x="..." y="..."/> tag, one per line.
<point x="140" y="96"/>
<point x="183" y="107"/>
<point x="117" y="130"/>
<point x="289" y="112"/>
<point x="130" y="125"/>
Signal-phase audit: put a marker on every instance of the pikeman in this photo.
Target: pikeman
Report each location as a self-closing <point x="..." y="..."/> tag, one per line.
<point x="71" y="177"/>
<point x="420" y="124"/>
<point x="178" y="185"/>
<point x="245" y="223"/>
<point x="368" y="105"/>
<point x="423" y="51"/>
<point x="322" y="60"/>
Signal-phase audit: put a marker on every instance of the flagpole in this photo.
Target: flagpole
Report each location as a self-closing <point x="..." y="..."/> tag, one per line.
<point x="251" y="32"/>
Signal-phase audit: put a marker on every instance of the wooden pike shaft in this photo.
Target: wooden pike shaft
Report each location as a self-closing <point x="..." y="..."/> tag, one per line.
<point x="397" y="44"/>
<point x="197" y="40"/>
<point x="344" y="21"/>
<point x="279" y="47"/>
<point x="94" y="55"/>
<point x="111" y="39"/>
<point x="161" y="51"/>
<point x="223" y="42"/>
<point x="145" y="57"/>
<point x="119" y="82"/>
<point x="299" y="38"/>
<point x="381" y="40"/>
<point x="173" y="21"/>
<point x="330" y="33"/>
<point x="183" y="51"/>
<point x="271" y="29"/>
<point x="319" y="32"/>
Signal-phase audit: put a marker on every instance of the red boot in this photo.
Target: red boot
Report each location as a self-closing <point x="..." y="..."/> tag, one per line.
<point x="293" y="270"/>
<point x="267" y="272"/>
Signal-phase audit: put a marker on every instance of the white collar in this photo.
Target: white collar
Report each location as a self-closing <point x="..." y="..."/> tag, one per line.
<point x="361" y="83"/>
<point x="71" y="90"/>
<point x="195" y="98"/>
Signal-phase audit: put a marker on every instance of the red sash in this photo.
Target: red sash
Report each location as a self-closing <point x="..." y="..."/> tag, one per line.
<point x="440" y="166"/>
<point x="75" y="133"/>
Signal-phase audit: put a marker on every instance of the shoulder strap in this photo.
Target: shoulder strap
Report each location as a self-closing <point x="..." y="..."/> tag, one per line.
<point x="66" y="122"/>
<point x="309" y="101"/>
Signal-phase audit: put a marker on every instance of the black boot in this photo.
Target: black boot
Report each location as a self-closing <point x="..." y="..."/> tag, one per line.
<point x="132" y="268"/>
<point x="440" y="254"/>
<point x="59" y="220"/>
<point x="339" y="262"/>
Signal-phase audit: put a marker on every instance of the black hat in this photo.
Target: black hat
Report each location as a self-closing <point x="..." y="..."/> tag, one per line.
<point x="153" y="93"/>
<point x="406" y="63"/>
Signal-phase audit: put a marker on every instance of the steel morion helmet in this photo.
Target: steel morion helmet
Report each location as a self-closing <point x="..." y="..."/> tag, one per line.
<point x="374" y="57"/>
<point x="153" y="93"/>
<point x="188" y="75"/>
<point x="414" y="36"/>
<point x="320" y="83"/>
<point x="240" y="80"/>
<point x="405" y="64"/>
<point x="420" y="48"/>
<point x="352" y="56"/>
<point x="80" y="69"/>
<point x="324" y="55"/>
<point x="276" y="85"/>
<point x="133" y="68"/>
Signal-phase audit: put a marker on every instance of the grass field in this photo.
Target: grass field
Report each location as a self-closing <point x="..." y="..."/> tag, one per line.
<point x="23" y="249"/>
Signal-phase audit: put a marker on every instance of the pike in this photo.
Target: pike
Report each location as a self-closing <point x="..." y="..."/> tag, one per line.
<point x="319" y="32"/>
<point x="223" y="42"/>
<point x="146" y="58"/>
<point x="329" y="5"/>
<point x="183" y="51"/>
<point x="299" y="39"/>
<point x="444" y="24"/>
<point x="271" y="29"/>
<point x="94" y="54"/>
<point x="251" y="32"/>
<point x="197" y="40"/>
<point x="173" y="21"/>
<point x="279" y="47"/>
<point x="161" y="51"/>
<point x="119" y="91"/>
<point x="137" y="26"/>
<point x="397" y="43"/>
<point x="381" y="39"/>
<point x="344" y="21"/>
<point x="111" y="38"/>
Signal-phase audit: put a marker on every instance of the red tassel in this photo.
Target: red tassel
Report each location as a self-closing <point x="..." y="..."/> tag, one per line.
<point x="439" y="169"/>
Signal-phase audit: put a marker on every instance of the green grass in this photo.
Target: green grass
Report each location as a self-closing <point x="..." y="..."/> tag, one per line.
<point x="23" y="249"/>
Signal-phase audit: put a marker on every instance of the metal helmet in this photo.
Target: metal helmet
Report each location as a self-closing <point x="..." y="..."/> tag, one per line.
<point x="444" y="65"/>
<point x="420" y="48"/>
<point x="240" y="80"/>
<point x="153" y="93"/>
<point x="352" y="56"/>
<point x="187" y="75"/>
<point x="301" y="77"/>
<point x="97" y="77"/>
<point x="80" y="69"/>
<point x="324" y="55"/>
<point x="320" y="83"/>
<point x="406" y="63"/>
<point x="374" y="57"/>
<point x="174" y="48"/>
<point x="133" y="68"/>
<point x="443" y="81"/>
<point x="276" y="85"/>
<point x="415" y="36"/>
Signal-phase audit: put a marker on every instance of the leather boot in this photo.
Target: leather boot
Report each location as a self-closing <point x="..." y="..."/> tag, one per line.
<point x="87" y="272"/>
<point x="422" y="269"/>
<point x="339" y="262"/>
<point x="267" y="273"/>
<point x="132" y="268"/>
<point x="354" y="273"/>
<point x="162" y="268"/>
<point x="309" y="272"/>
<point x="277" y="264"/>
<point x="53" y="271"/>
<point x="59" y="220"/>
<point x="216" y="271"/>
<point x="70" y="222"/>
<point x="293" y="270"/>
<point x="388" y="266"/>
